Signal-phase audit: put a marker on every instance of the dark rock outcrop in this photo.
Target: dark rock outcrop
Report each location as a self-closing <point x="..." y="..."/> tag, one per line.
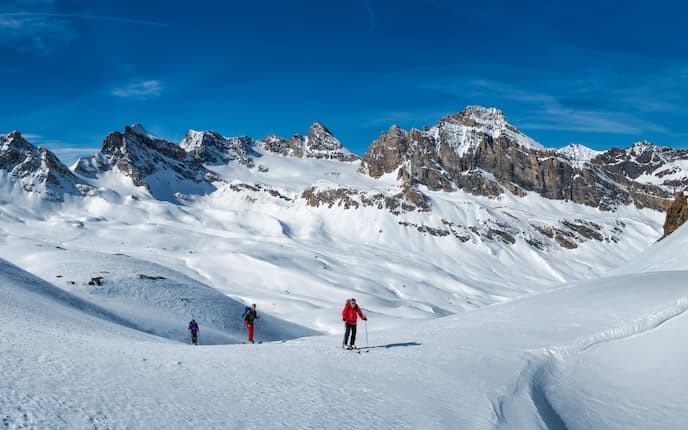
<point x="407" y="200"/>
<point x="677" y="214"/>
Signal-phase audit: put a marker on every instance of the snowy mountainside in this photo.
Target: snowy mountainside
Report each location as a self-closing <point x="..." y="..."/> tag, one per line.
<point x="664" y="255"/>
<point x="35" y="170"/>
<point x="320" y="143"/>
<point x="578" y="154"/>
<point x="478" y="151"/>
<point x="463" y="130"/>
<point x="161" y="167"/>
<point x="153" y="298"/>
<point x="210" y="147"/>
<point x="648" y="164"/>
<point x="300" y="263"/>
<point x="503" y="311"/>
<point x="302" y="229"/>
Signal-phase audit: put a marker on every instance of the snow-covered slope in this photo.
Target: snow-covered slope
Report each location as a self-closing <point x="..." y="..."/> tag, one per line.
<point x="555" y="360"/>
<point x="665" y="255"/>
<point x="153" y="298"/>
<point x="505" y="310"/>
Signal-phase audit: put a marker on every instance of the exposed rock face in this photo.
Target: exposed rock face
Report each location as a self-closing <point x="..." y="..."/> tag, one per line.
<point x="407" y="200"/>
<point x="319" y="143"/>
<point x="677" y="213"/>
<point x="478" y="151"/>
<point x="36" y="169"/>
<point x="281" y="146"/>
<point x="210" y="147"/>
<point x="162" y="167"/>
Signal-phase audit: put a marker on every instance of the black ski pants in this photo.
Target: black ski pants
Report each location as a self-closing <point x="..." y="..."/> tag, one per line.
<point x="350" y="329"/>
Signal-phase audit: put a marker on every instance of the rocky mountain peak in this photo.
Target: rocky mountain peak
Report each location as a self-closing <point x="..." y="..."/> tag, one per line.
<point x="36" y="170"/>
<point x="318" y="128"/>
<point x="578" y="154"/>
<point x="464" y="130"/>
<point x="319" y="143"/>
<point x="480" y="115"/>
<point x="478" y="151"/>
<point x="210" y="147"/>
<point x="15" y="141"/>
<point x="642" y="146"/>
<point x="160" y="166"/>
<point x="14" y="134"/>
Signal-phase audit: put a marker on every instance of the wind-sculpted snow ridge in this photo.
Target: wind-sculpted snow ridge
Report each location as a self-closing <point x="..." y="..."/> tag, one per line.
<point x="664" y="255"/>
<point x="537" y="381"/>
<point x="28" y="293"/>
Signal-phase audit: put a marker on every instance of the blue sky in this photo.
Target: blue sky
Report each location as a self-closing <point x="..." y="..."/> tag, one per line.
<point x="600" y="73"/>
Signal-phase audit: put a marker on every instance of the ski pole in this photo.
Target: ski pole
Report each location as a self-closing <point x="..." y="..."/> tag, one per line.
<point x="366" y="326"/>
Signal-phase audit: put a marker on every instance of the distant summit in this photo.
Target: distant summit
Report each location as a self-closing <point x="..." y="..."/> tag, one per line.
<point x="162" y="167"/>
<point x="210" y="147"/>
<point x="475" y="150"/>
<point x="36" y="170"/>
<point x="478" y="151"/>
<point x="320" y="143"/>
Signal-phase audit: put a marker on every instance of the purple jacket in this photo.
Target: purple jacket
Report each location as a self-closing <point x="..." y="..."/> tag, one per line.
<point x="193" y="327"/>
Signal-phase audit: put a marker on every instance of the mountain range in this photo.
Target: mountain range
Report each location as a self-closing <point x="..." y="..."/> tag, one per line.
<point x="475" y="152"/>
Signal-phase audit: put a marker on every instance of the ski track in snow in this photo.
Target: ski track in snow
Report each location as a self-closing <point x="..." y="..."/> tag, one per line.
<point x="533" y="381"/>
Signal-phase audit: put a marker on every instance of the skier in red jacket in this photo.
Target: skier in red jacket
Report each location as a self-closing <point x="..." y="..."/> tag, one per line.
<point x="350" y="314"/>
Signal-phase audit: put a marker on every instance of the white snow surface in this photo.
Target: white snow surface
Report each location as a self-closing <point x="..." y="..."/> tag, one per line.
<point x="470" y="335"/>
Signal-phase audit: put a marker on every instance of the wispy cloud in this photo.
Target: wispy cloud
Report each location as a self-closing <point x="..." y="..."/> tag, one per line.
<point x="139" y="90"/>
<point x="42" y="33"/>
<point x="77" y="16"/>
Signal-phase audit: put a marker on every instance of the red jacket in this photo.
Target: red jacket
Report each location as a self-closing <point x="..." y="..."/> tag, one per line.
<point x="349" y="314"/>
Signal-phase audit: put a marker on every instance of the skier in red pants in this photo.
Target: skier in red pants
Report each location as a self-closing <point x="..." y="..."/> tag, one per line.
<point x="249" y="317"/>
<point x="350" y="314"/>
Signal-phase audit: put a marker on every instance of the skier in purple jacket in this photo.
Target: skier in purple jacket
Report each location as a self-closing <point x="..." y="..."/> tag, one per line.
<point x="193" y="328"/>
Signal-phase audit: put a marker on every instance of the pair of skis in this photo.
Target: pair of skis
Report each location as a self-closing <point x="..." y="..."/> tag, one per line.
<point x="357" y="350"/>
